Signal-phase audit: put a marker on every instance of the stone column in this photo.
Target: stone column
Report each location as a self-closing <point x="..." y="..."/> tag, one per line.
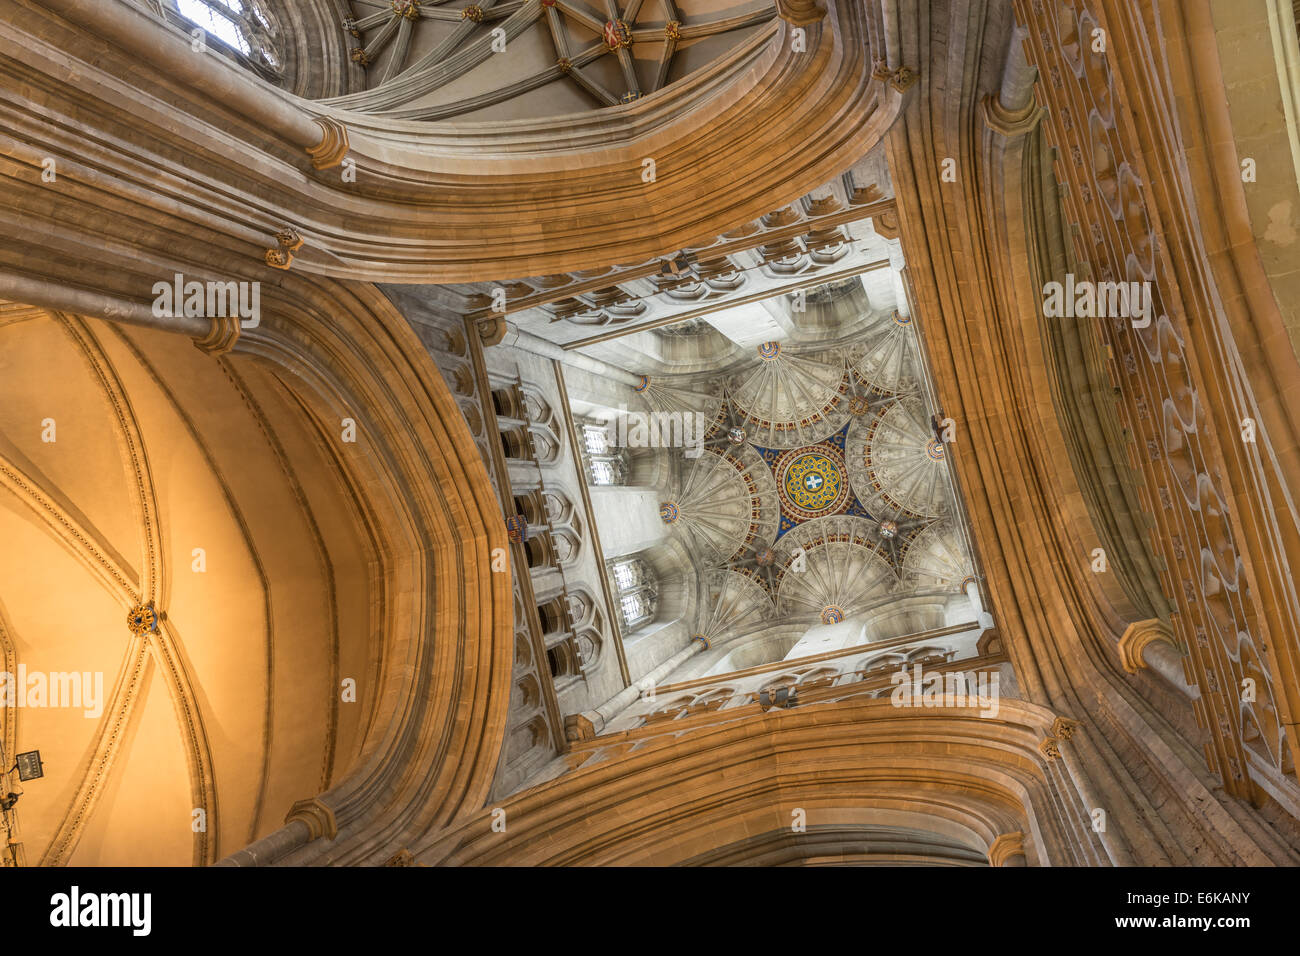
<point x="1151" y="644"/>
<point x="527" y="342"/>
<point x="586" y="725"/>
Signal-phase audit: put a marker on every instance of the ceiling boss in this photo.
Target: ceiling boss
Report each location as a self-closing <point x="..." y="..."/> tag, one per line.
<point x="811" y="482"/>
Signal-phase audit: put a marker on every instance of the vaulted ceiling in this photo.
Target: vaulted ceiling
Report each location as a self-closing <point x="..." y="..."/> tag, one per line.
<point x="430" y="59"/>
<point x="144" y="473"/>
<point x="822" y="490"/>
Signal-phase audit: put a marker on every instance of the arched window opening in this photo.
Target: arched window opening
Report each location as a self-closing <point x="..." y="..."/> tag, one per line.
<point x="638" y="591"/>
<point x="607" y="464"/>
<point x="247" y="28"/>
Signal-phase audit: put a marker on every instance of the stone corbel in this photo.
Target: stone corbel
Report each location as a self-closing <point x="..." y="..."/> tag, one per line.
<point x="1063" y="728"/>
<point x="901" y="79"/>
<point x="800" y="13"/>
<point x="579" y="727"/>
<point x="1137" y="637"/>
<point x="1050" y="748"/>
<point x="1009" y="123"/>
<point x="492" y="330"/>
<point x="318" y="818"/>
<point x="221" y="337"/>
<point x="288" y="242"/>
<point x="333" y="147"/>
<point x="1006" y="848"/>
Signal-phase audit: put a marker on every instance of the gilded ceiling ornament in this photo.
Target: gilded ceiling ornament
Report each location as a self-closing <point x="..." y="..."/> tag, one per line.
<point x="668" y="512"/>
<point x="407" y="8"/>
<point x="617" y="35"/>
<point x="517" y="528"/>
<point x="473" y="13"/>
<point x="288" y="242"/>
<point x="360" y="56"/>
<point x="889" y="529"/>
<point x="673" y="30"/>
<point x="565" y="65"/>
<point x="769" y="350"/>
<point x="811" y="482"/>
<point x="701" y="639"/>
<point x="643" y="384"/>
<point x="142" y="619"/>
<point x="736" y="436"/>
<point x="934" y="450"/>
<point x="832" y="614"/>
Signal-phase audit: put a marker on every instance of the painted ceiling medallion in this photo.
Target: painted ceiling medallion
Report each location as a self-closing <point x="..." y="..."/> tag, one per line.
<point x="642" y="385"/>
<point x="859" y="405"/>
<point x="811" y="482"/>
<point x="764" y="557"/>
<point x="142" y="619"/>
<point x="934" y="450"/>
<point x="668" y="512"/>
<point x="617" y="35"/>
<point x="736" y="436"/>
<point x="769" y="350"/>
<point x="901" y="319"/>
<point x="889" y="529"/>
<point x="832" y="614"/>
<point x="517" y="528"/>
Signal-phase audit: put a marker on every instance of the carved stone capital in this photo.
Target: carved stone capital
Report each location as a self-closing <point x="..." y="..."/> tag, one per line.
<point x="288" y="242"/>
<point x="1009" y="123"/>
<point x="904" y="78"/>
<point x="1005" y="847"/>
<point x="1136" y="638"/>
<point x="221" y="337"/>
<point x="1049" y="748"/>
<point x="901" y="79"/>
<point x="800" y="13"/>
<point x="318" y="817"/>
<point x="1063" y="728"/>
<point x="579" y="727"/>
<point x="491" y="331"/>
<point x="329" y="152"/>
